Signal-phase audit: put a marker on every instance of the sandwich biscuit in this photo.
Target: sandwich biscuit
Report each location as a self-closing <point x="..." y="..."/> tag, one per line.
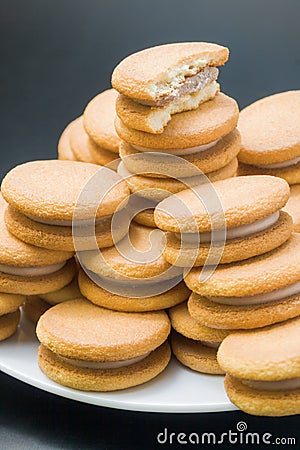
<point x="263" y="369"/>
<point x="90" y="348"/>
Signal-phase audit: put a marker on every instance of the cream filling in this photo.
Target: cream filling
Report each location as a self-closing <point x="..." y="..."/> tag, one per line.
<point x="280" y="165"/>
<point x="282" y="385"/>
<point x="268" y="297"/>
<point x="65" y="223"/>
<point x="102" y="365"/>
<point x="232" y="233"/>
<point x="177" y="151"/>
<point x="31" y="271"/>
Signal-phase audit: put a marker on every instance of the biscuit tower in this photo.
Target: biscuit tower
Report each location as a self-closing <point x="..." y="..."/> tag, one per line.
<point x="257" y="231"/>
<point x="173" y="123"/>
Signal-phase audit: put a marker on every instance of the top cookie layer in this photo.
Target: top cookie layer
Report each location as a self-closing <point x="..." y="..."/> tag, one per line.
<point x="269" y="354"/>
<point x="146" y="74"/>
<point x="211" y="121"/>
<point x="49" y="189"/>
<point x="78" y="329"/>
<point x="99" y="116"/>
<point x="273" y="270"/>
<point x="243" y="200"/>
<point x="270" y="129"/>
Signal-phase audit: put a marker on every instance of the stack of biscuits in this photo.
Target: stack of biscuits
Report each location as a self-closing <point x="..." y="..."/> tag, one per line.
<point x="270" y="135"/>
<point x="92" y="137"/>
<point x="38" y="246"/>
<point x="249" y="287"/>
<point x="173" y="123"/>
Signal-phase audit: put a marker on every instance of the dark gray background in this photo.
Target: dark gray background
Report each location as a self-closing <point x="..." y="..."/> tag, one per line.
<point x="55" y="56"/>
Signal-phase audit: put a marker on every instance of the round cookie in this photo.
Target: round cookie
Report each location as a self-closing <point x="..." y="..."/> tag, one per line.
<point x="106" y="299"/>
<point x="211" y="121"/>
<point x="150" y="73"/>
<point x="159" y="188"/>
<point x="293" y="206"/>
<point x="65" y="151"/>
<point x="98" y="119"/>
<point x="270" y="129"/>
<point x="49" y="189"/>
<point x="263" y="369"/>
<point x="9" y="324"/>
<point x="43" y="196"/>
<point x="250" y="207"/>
<point x="195" y="355"/>
<point x="153" y="164"/>
<point x="291" y="174"/>
<point x="186" y="325"/>
<point x="90" y="348"/>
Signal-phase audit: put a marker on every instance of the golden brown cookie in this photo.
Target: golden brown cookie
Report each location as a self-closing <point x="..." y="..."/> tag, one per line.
<point x="43" y="197"/>
<point x="99" y="118"/>
<point x="263" y="368"/>
<point x="91" y="348"/>
<point x="270" y="129"/>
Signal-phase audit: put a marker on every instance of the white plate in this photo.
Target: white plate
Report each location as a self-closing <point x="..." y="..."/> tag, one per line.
<point x="176" y="390"/>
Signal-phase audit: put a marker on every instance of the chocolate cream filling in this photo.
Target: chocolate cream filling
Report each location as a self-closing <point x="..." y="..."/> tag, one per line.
<point x="189" y="86"/>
